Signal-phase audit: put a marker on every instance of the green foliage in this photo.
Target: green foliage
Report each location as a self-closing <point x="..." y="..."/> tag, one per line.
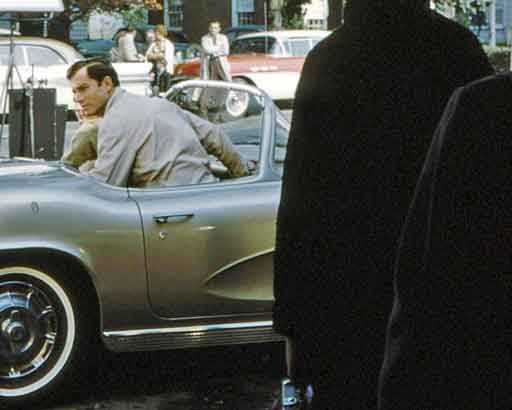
<point x="466" y="11"/>
<point x="293" y="14"/>
<point x="134" y="14"/>
<point x="86" y="6"/>
<point x="499" y="58"/>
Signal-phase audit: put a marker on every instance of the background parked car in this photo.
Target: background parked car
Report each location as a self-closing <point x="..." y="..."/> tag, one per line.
<point x="270" y="60"/>
<point x="48" y="60"/>
<point x="234" y="32"/>
<point x="7" y="32"/>
<point x="101" y="48"/>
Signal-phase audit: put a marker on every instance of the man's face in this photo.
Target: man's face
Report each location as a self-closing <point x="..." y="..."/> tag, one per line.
<point x="214" y="29"/>
<point x="150" y="37"/>
<point x="88" y="94"/>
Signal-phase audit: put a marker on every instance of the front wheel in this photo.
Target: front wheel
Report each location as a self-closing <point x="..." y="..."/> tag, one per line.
<point x="40" y="334"/>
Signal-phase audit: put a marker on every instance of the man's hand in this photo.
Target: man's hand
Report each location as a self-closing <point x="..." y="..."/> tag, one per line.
<point x="252" y="166"/>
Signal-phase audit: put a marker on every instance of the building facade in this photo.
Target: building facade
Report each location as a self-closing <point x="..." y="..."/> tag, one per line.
<point x="503" y="23"/>
<point x="502" y="18"/>
<point x="193" y="16"/>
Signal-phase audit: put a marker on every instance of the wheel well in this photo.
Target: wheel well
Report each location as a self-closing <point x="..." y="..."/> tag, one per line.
<point x="247" y="80"/>
<point x="59" y="262"/>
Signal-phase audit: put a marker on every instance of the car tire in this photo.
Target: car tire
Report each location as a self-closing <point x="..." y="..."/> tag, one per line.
<point x="43" y="332"/>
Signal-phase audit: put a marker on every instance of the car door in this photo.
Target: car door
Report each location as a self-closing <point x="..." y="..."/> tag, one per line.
<point x="209" y="246"/>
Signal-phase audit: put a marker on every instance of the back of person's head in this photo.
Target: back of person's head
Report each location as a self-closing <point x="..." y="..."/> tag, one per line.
<point x="379" y="6"/>
<point x="130" y="28"/>
<point x="161" y="30"/>
<point x="96" y="68"/>
<point x="390" y="15"/>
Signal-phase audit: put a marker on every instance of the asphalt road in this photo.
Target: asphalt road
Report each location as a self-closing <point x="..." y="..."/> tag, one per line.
<point x="227" y="378"/>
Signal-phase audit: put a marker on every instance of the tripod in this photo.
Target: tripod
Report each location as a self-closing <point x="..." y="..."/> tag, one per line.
<point x="9" y="83"/>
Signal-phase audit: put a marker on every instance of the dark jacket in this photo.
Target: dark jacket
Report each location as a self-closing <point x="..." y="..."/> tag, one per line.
<point x="448" y="344"/>
<point x="366" y="108"/>
<point x="367" y="104"/>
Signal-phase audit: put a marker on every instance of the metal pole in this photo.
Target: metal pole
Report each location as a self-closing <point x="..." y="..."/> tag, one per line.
<point x="265" y="15"/>
<point x="166" y="14"/>
<point x="45" y="25"/>
<point x="492" y="23"/>
<point x="326" y="13"/>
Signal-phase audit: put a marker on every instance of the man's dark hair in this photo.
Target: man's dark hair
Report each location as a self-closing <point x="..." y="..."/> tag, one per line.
<point x="97" y="69"/>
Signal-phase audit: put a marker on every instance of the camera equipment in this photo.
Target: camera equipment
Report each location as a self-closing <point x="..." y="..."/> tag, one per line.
<point x="16" y="8"/>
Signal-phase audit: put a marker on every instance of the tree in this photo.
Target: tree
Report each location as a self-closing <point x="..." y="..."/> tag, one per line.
<point x="79" y="9"/>
<point x="293" y="13"/>
<point x="335" y="13"/>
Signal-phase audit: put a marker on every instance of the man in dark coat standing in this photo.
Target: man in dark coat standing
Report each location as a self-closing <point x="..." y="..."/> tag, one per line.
<point x="449" y="340"/>
<point x="366" y="108"/>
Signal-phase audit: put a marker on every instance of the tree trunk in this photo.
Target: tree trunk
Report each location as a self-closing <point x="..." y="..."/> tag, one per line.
<point x="335" y="13"/>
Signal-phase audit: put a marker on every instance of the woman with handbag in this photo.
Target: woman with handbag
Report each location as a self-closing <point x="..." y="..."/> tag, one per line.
<point x="162" y="49"/>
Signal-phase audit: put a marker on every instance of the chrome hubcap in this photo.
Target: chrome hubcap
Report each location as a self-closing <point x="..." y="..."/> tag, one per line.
<point x="15" y="332"/>
<point x="28" y="329"/>
<point x="237" y="103"/>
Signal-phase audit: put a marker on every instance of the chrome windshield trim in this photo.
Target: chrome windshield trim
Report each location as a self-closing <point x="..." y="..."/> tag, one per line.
<point x="187" y="329"/>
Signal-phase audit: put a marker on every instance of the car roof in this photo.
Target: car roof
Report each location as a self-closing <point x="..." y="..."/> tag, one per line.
<point x="67" y="51"/>
<point x="247" y="27"/>
<point x="283" y="34"/>
<point x="7" y="32"/>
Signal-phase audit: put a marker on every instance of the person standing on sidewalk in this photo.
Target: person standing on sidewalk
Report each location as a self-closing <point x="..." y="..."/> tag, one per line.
<point x="366" y="107"/>
<point x="214" y="58"/>
<point x="162" y="49"/>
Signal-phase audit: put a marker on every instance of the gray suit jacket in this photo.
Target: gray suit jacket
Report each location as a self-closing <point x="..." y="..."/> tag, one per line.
<point x="145" y="141"/>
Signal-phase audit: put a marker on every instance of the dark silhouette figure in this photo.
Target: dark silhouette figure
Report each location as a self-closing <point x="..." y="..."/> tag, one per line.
<point x="366" y="108"/>
<point x="449" y="337"/>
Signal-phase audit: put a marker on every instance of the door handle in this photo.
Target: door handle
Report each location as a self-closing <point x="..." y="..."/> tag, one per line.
<point x="163" y="219"/>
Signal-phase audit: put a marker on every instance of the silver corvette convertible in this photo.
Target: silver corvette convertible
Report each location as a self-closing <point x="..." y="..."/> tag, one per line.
<point x="83" y="262"/>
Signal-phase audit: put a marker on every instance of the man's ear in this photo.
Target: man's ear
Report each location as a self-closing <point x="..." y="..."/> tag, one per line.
<point x="108" y="83"/>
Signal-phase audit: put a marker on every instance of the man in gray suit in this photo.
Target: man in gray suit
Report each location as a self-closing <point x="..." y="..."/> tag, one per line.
<point x="145" y="141"/>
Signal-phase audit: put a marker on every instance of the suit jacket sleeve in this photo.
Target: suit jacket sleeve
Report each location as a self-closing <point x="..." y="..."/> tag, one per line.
<point x="217" y="143"/>
<point x="83" y="144"/>
<point x="115" y="154"/>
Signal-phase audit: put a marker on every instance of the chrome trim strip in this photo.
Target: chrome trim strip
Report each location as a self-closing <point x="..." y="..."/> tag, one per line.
<point x="214" y="84"/>
<point x="185" y="329"/>
<point x="238" y="262"/>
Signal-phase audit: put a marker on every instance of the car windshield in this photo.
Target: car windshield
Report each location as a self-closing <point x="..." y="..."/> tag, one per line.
<point x="301" y="46"/>
<point x="265" y="45"/>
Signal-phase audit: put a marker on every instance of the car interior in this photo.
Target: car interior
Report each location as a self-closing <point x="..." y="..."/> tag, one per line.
<point x="238" y="113"/>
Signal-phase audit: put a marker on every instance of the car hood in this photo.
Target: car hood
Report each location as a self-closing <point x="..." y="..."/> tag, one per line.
<point x="14" y="172"/>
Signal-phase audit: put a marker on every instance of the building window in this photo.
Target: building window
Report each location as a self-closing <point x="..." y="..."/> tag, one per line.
<point x="245" y="10"/>
<point x="176" y="14"/>
<point x="315" y="24"/>
<point x="245" y="17"/>
<point x="499" y="16"/>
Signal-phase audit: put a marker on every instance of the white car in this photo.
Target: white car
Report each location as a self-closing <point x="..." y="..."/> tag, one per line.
<point x="46" y="61"/>
<point x="270" y="60"/>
